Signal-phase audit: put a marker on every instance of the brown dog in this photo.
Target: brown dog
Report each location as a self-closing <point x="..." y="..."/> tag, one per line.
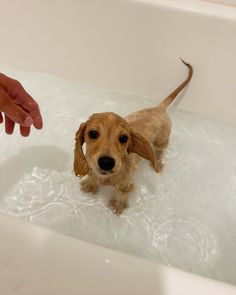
<point x="114" y="146"/>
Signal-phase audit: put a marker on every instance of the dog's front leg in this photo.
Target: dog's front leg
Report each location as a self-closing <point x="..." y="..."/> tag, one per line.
<point x="120" y="199"/>
<point x="88" y="184"/>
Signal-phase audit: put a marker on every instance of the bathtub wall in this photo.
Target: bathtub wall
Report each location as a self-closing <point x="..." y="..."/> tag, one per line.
<point x="224" y="2"/>
<point x="121" y="46"/>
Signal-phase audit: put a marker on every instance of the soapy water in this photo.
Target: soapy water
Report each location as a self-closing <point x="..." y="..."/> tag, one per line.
<point x="184" y="217"/>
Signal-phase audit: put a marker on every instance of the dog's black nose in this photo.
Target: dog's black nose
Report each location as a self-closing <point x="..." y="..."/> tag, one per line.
<point x="106" y="163"/>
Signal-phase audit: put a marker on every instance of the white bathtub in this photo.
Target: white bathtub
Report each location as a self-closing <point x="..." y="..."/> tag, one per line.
<point x="128" y="46"/>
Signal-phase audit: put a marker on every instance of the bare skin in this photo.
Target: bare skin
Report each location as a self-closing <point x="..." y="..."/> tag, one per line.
<point x="18" y="107"/>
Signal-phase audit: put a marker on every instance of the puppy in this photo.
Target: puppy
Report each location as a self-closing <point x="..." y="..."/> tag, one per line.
<point x="115" y="145"/>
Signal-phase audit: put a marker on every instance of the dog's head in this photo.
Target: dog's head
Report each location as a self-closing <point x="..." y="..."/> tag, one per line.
<point x="109" y="139"/>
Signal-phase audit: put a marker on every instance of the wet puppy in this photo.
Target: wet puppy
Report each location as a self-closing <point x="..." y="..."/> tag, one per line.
<point x="115" y="145"/>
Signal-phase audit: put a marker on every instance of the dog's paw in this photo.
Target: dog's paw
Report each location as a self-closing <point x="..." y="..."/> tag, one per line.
<point x="118" y="206"/>
<point x="159" y="166"/>
<point x="87" y="185"/>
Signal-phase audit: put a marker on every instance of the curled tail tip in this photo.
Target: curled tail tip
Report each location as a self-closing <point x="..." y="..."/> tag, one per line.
<point x="189" y="67"/>
<point x="186" y="63"/>
<point x="183" y="61"/>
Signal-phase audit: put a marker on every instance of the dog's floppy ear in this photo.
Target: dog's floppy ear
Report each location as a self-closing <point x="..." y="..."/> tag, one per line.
<point x="141" y="146"/>
<point x="80" y="163"/>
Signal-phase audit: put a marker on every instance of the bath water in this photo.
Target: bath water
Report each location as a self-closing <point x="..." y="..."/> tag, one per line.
<point x="184" y="217"/>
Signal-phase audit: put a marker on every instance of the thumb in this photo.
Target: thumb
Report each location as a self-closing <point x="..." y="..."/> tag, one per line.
<point x="13" y="111"/>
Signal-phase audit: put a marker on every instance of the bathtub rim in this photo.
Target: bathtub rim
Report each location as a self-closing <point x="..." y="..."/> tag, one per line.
<point x="71" y="256"/>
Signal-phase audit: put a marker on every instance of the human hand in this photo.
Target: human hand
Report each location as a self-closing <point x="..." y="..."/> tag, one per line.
<point x="18" y="107"/>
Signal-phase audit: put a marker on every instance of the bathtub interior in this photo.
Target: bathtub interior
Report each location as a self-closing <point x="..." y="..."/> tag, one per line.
<point x="180" y="218"/>
<point x="184" y="217"/>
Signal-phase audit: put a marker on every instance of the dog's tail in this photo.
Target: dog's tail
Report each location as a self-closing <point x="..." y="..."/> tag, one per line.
<point x="168" y="100"/>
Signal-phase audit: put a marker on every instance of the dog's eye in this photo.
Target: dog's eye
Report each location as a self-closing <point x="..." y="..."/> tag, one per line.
<point x="123" y="138"/>
<point x="93" y="134"/>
